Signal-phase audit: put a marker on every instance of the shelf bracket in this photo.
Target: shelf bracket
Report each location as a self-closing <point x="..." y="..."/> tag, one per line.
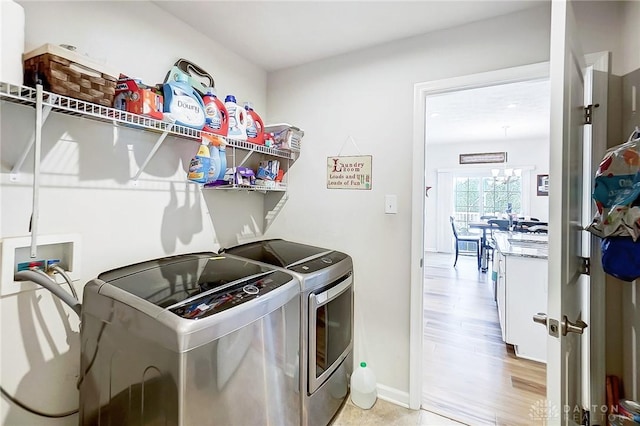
<point x="246" y="157"/>
<point x="273" y="204"/>
<point x="15" y="172"/>
<point x="155" y="148"/>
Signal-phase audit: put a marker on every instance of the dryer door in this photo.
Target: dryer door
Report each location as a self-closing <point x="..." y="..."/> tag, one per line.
<point x="330" y="329"/>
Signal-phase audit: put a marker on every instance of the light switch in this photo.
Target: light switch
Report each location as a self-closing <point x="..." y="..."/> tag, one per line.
<point x="391" y="204"/>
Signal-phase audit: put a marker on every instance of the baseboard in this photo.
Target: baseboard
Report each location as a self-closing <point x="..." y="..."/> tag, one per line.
<point x="393" y="396"/>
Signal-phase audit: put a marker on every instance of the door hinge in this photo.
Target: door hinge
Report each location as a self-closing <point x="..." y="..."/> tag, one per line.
<point x="586" y="418"/>
<point x="588" y="113"/>
<point x="585" y="265"/>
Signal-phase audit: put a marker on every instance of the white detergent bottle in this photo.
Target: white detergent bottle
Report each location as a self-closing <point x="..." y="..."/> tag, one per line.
<point x="237" y="119"/>
<point x="363" y="387"/>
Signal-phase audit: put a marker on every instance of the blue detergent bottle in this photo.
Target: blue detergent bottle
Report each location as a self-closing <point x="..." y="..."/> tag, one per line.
<point x="200" y="164"/>
<point x="184" y="103"/>
<point x="222" y="151"/>
<point x="214" y="166"/>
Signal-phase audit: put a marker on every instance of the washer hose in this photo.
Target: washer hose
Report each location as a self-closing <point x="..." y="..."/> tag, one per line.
<point x="39" y="277"/>
<point x="66" y="277"/>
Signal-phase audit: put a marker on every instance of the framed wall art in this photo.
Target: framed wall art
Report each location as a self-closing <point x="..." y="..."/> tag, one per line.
<point x="483" y="157"/>
<point x="542" y="185"/>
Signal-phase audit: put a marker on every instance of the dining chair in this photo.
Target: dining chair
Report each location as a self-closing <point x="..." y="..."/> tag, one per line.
<point x="487" y="218"/>
<point x="466" y="238"/>
<point x="503" y="224"/>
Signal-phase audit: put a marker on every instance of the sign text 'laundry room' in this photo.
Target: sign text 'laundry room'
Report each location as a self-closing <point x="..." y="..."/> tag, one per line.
<point x="349" y="172"/>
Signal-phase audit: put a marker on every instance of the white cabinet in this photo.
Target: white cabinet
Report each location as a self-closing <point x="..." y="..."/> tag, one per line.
<point x="521" y="292"/>
<point x="526" y="295"/>
<point x="499" y="266"/>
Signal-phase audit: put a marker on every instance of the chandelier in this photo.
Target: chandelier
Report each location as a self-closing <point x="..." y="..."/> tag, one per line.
<point x="505" y="173"/>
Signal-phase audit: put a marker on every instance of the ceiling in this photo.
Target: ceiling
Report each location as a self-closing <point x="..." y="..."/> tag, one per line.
<point x="507" y="112"/>
<point x="281" y="34"/>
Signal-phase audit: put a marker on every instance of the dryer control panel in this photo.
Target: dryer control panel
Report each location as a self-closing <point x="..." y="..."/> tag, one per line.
<point x="324" y="261"/>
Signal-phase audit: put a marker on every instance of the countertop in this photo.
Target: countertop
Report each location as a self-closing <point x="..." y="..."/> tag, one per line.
<point x="522" y="244"/>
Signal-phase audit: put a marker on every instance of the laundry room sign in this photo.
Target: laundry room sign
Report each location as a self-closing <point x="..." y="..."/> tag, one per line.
<point x="352" y="172"/>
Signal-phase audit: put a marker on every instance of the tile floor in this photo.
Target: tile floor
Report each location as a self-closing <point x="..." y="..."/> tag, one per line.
<point x="384" y="413"/>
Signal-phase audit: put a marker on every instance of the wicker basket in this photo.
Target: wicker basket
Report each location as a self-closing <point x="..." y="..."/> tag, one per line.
<point x="67" y="73"/>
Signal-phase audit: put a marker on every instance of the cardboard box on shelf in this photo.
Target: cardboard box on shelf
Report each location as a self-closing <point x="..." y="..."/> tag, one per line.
<point x="268" y="170"/>
<point x="137" y="98"/>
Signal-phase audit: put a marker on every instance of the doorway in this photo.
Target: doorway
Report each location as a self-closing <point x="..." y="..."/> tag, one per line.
<point x="460" y="324"/>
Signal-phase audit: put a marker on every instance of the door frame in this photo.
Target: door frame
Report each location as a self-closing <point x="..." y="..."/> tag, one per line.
<point x="421" y="91"/>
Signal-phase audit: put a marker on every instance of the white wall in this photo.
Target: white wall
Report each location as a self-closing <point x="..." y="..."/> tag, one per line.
<point x="630" y="37"/>
<point x="86" y="188"/>
<point x="369" y="95"/>
<point x="611" y="26"/>
<point x="530" y="155"/>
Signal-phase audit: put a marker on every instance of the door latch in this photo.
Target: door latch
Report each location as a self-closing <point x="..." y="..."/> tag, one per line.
<point x="553" y="325"/>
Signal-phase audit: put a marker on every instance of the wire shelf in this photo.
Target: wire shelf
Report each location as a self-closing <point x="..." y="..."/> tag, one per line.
<point x="257" y="188"/>
<point x="76" y="107"/>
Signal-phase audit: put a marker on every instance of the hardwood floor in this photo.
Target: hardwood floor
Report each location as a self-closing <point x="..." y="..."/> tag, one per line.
<point x="470" y="374"/>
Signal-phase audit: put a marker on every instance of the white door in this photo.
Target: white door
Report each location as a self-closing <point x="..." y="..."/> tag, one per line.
<point x="568" y="377"/>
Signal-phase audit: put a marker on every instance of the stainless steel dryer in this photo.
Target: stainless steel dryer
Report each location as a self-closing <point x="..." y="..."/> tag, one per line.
<point x="326" y="345"/>
<point x="197" y="339"/>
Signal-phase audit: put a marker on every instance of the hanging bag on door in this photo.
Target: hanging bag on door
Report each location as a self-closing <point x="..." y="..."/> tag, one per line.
<point x="617" y="190"/>
<point x="617" y="220"/>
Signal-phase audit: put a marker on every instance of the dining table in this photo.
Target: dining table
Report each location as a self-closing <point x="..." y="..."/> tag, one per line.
<point x="484" y="245"/>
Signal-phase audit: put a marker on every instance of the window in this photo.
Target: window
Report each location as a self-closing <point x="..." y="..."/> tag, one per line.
<point x="477" y="196"/>
<point x="498" y="193"/>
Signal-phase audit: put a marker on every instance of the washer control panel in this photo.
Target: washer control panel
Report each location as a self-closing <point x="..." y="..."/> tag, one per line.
<point x="226" y="298"/>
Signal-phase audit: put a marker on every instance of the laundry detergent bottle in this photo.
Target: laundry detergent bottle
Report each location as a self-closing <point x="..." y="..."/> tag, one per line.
<point x="255" y="126"/>
<point x="214" y="164"/>
<point x="200" y="164"/>
<point x="183" y="103"/>
<point x="222" y="154"/>
<point x="237" y="119"/>
<point x="217" y="117"/>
